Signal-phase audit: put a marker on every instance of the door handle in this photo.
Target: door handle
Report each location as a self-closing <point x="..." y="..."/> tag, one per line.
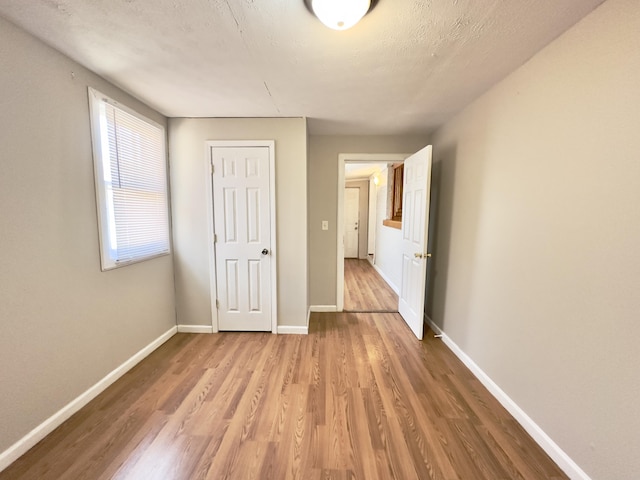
<point x="422" y="255"/>
<point x="265" y="251"/>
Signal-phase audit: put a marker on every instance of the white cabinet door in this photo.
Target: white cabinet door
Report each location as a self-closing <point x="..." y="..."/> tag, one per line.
<point x="415" y="229"/>
<point x="241" y="210"/>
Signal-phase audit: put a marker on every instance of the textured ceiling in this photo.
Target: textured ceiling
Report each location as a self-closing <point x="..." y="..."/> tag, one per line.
<point x="406" y="68"/>
<point x="359" y="170"/>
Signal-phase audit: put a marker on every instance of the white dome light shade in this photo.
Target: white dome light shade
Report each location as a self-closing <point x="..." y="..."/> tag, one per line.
<point x="340" y="14"/>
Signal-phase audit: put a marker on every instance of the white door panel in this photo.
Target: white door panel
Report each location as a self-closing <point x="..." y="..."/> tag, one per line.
<point x="241" y="210"/>
<point x="351" y="217"/>
<point x="415" y="221"/>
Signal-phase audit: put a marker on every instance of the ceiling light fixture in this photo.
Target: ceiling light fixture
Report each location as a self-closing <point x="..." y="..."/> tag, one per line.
<point x="340" y="14"/>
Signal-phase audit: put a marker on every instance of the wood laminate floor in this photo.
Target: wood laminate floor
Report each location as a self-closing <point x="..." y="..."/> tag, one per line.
<point x="357" y="398"/>
<point x="365" y="290"/>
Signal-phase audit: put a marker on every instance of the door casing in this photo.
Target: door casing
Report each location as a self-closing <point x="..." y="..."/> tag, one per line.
<point x="352" y="158"/>
<point x="209" y="146"/>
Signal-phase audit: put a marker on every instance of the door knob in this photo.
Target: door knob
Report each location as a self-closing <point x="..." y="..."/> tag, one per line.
<point x="265" y="251"/>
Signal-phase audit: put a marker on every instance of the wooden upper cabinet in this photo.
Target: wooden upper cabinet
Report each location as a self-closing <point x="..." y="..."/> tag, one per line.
<point x="396" y="206"/>
<point x="395" y="179"/>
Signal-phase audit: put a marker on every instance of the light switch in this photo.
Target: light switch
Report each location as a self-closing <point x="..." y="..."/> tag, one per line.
<point x="325" y="225"/>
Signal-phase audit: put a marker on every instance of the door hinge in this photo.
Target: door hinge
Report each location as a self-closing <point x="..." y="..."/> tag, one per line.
<point x="215" y="238"/>
<point x="212" y="168"/>
<point x="217" y="304"/>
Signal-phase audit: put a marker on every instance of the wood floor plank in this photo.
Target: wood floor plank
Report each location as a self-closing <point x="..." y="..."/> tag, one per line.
<point x="357" y="398"/>
<point x="129" y="453"/>
<point x="365" y="290"/>
<point x="363" y="457"/>
<point x="251" y="459"/>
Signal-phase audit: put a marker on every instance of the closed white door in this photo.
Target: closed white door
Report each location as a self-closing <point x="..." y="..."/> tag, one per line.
<point x="415" y="229"/>
<point x="351" y="214"/>
<point x="241" y="210"/>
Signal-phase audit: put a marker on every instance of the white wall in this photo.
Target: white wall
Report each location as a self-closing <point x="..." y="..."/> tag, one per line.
<point x="65" y="324"/>
<point x="387" y="248"/>
<point x="187" y="137"/>
<point x="537" y="274"/>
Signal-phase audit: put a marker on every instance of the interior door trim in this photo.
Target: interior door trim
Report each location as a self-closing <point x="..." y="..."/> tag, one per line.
<point x="352" y="158"/>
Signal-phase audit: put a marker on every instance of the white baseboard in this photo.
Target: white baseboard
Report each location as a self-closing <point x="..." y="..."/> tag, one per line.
<point x="19" y="448"/>
<point x="552" y="449"/>
<point x="386" y="279"/>
<point x="195" y="329"/>
<point x="293" y="330"/>
<point x="323" y="308"/>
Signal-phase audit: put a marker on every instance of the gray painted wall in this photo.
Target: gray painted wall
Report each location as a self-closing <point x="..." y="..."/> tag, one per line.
<point x="65" y="324"/>
<point x="537" y="274"/>
<point x="323" y="200"/>
<point x="187" y="137"/>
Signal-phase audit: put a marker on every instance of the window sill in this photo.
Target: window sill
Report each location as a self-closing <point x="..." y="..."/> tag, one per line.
<point x="393" y="224"/>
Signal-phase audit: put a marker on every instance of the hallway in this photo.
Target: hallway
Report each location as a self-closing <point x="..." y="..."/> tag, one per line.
<point x="365" y="290"/>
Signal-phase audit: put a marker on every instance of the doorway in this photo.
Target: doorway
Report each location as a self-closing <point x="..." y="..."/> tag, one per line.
<point x="361" y="286"/>
<point x="410" y="239"/>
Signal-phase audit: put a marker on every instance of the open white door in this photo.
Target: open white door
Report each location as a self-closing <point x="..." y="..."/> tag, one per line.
<point x="415" y="222"/>
<point x="242" y="226"/>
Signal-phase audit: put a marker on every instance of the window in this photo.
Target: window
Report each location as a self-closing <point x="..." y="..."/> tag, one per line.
<point x="131" y="183"/>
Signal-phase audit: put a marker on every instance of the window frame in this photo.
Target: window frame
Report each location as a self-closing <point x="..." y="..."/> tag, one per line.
<point x="104" y="199"/>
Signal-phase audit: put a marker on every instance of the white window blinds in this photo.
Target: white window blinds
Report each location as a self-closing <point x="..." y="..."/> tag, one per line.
<point x="130" y="168"/>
